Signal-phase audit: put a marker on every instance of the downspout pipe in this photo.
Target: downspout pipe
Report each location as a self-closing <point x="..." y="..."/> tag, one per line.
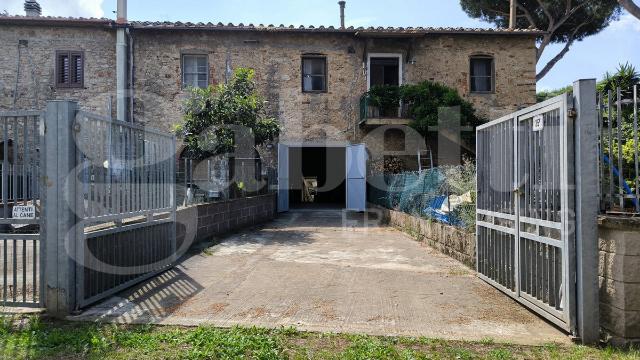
<point x="131" y="69"/>
<point x="122" y="112"/>
<point x="513" y="15"/>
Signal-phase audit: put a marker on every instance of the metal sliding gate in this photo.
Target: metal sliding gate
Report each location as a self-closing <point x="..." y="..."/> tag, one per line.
<point x="525" y="209"/>
<point x="104" y="220"/>
<point x="21" y="248"/>
<point x="125" y="205"/>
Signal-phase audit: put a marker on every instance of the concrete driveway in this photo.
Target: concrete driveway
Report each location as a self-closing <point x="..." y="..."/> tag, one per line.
<point x="324" y="271"/>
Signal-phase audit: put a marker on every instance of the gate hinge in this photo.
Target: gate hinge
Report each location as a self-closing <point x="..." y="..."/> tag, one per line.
<point x="572" y="113"/>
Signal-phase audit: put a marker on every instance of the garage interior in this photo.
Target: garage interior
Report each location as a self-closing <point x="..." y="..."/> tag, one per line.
<point x="317" y="177"/>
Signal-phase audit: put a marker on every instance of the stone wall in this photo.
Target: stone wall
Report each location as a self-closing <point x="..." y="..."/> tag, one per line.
<point x="276" y="59"/>
<point x="204" y="221"/>
<point x="449" y="240"/>
<point x="619" y="244"/>
<point x="37" y="65"/>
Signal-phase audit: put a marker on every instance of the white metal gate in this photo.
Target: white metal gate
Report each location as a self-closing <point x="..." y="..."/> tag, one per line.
<point x="525" y="212"/>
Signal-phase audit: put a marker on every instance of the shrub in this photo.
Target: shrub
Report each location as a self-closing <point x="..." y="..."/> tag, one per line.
<point x="214" y="115"/>
<point x="460" y="180"/>
<point x="424" y="100"/>
<point x="386" y="98"/>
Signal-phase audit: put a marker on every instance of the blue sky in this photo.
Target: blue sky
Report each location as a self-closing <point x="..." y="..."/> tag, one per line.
<point x="587" y="59"/>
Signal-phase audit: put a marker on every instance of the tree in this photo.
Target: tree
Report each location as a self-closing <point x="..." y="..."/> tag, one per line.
<point x="549" y="94"/>
<point x="215" y="117"/>
<point x="625" y="77"/>
<point x="563" y="21"/>
<point x="631" y="7"/>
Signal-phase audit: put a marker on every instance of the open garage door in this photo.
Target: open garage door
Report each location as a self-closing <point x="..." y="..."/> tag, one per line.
<point x="283" y="178"/>
<point x="356" y="177"/>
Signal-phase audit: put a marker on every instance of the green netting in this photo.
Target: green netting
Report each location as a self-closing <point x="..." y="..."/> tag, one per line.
<point x="419" y="194"/>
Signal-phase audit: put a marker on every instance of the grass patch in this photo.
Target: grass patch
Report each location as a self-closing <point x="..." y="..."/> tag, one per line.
<point x="41" y="338"/>
<point x="207" y="252"/>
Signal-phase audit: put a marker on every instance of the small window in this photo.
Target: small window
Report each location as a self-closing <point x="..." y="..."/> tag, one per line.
<point x="195" y="71"/>
<point x="314" y="74"/>
<point x="69" y="69"/>
<point x="482" y="79"/>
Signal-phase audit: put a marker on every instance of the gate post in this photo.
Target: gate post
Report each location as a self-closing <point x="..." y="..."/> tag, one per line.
<point x="59" y="233"/>
<point x="587" y="205"/>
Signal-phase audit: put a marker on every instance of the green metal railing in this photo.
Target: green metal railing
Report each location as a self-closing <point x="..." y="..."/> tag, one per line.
<point x="369" y="111"/>
<point x="364" y="107"/>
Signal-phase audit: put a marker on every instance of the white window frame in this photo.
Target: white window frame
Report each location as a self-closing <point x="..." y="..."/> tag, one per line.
<point x="384" y="55"/>
<point x="182" y="67"/>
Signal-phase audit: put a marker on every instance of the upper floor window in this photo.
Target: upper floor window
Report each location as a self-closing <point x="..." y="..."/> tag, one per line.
<point x="482" y="74"/>
<point x="314" y="73"/>
<point x="195" y="71"/>
<point x="69" y="69"/>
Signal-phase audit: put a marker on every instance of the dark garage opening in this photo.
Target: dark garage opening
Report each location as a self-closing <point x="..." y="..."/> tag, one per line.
<point x="317" y="177"/>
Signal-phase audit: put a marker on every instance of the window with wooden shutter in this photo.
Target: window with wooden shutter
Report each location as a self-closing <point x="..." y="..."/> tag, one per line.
<point x="69" y="69"/>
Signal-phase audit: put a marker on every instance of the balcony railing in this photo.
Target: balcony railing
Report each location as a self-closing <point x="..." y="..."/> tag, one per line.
<point x="375" y="115"/>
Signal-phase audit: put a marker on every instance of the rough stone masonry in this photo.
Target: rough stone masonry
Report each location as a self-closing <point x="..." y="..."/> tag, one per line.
<point x="274" y="53"/>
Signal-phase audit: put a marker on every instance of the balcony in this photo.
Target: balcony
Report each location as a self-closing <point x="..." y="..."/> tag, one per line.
<point x="374" y="112"/>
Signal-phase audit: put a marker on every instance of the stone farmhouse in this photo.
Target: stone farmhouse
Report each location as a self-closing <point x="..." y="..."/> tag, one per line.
<point x="312" y="77"/>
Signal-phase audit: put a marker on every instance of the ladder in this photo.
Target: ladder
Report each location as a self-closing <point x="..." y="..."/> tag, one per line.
<point x="425" y="159"/>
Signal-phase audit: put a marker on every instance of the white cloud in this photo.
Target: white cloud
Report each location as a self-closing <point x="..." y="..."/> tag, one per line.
<point x="73" y="8"/>
<point x="627" y="23"/>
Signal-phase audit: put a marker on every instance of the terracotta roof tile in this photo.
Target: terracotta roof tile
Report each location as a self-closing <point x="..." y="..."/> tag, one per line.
<point x="167" y="25"/>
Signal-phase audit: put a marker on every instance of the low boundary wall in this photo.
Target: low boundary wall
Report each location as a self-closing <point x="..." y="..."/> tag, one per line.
<point x="449" y="240"/>
<point x="619" y="278"/>
<point x="619" y="265"/>
<point x="203" y="221"/>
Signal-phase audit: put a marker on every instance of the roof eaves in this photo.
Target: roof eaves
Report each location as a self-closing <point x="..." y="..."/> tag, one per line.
<point x="209" y="26"/>
<point x="369" y="31"/>
<point x="156" y="25"/>
<point x="55" y="21"/>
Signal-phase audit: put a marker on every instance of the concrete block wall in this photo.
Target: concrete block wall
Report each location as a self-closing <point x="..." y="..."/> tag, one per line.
<point x="619" y="278"/>
<point x="449" y="240"/>
<point x="204" y="221"/>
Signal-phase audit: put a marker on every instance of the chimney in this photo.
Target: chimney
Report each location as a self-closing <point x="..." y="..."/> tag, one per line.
<point x="342" y="4"/>
<point x="32" y="8"/>
<point x="512" y="15"/>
